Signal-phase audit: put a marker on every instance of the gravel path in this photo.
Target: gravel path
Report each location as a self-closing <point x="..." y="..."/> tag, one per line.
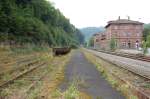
<point x="90" y="80"/>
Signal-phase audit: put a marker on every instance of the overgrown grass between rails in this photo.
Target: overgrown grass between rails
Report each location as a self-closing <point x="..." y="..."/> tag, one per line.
<point x="34" y="94"/>
<point x="54" y="76"/>
<point x="107" y="74"/>
<point x="21" y="84"/>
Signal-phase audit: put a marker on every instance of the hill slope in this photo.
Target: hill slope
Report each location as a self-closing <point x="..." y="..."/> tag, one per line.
<point x="89" y="31"/>
<point x="36" y="22"/>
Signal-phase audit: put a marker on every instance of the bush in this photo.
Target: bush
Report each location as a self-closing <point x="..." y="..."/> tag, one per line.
<point x="113" y="44"/>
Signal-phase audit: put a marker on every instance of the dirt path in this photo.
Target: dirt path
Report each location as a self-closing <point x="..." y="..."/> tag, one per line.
<point x="90" y="80"/>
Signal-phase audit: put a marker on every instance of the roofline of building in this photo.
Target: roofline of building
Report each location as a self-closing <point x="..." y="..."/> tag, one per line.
<point x="115" y="22"/>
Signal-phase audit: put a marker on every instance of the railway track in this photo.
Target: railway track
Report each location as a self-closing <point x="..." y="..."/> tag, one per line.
<point x="127" y="67"/>
<point x="18" y="65"/>
<point x="140" y="73"/>
<point x="127" y="55"/>
<point x="6" y="83"/>
<point x="18" y="69"/>
<point x="26" y="81"/>
<point x="140" y="70"/>
<point x="31" y="80"/>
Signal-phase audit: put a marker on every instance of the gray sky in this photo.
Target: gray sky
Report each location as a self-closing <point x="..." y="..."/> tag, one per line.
<point x="86" y="13"/>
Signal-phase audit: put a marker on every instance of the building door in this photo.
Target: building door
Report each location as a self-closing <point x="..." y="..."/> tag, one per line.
<point x="129" y="44"/>
<point x="137" y="44"/>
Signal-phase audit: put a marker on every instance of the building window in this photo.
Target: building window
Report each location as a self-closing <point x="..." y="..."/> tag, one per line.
<point x="127" y="27"/>
<point x="137" y="27"/>
<point x="123" y="44"/>
<point x="124" y="34"/>
<point x="129" y="34"/>
<point x="115" y="27"/>
<point x="138" y="34"/>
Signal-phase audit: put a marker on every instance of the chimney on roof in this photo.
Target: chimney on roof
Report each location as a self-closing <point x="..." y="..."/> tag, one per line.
<point x="128" y="17"/>
<point x="119" y="18"/>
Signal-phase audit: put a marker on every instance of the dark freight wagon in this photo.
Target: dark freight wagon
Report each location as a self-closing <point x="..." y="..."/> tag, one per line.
<point x="61" y="51"/>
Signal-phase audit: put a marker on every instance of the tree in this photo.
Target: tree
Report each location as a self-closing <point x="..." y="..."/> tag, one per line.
<point x="146" y="31"/>
<point x="38" y="22"/>
<point x="148" y="40"/>
<point x="146" y="44"/>
<point x="113" y="44"/>
<point x="91" y="42"/>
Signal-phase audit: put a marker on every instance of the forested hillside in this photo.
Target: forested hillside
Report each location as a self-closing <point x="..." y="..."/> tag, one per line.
<point x="89" y="31"/>
<point x="36" y="22"/>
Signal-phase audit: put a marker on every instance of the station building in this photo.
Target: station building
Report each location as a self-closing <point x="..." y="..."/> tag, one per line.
<point x="127" y="34"/>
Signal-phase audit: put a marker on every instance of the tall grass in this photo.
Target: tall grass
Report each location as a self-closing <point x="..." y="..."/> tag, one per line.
<point x="72" y="92"/>
<point x="25" y="49"/>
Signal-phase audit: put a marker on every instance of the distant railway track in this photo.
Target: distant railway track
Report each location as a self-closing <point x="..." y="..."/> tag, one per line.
<point x="128" y="55"/>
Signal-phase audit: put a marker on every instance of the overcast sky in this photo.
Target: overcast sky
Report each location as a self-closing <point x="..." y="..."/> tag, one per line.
<point x="87" y="13"/>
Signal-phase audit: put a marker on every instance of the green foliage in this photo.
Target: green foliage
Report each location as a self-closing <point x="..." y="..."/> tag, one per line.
<point x="146" y="44"/>
<point x="91" y="42"/>
<point x="113" y="44"/>
<point x="29" y="48"/>
<point x="146" y="36"/>
<point x="88" y="32"/>
<point x="148" y="40"/>
<point x="36" y="21"/>
<point x="146" y="31"/>
<point x="72" y="92"/>
<point x="56" y="94"/>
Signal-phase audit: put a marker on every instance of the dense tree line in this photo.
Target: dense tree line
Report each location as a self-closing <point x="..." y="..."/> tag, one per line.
<point x="36" y="21"/>
<point x="146" y="38"/>
<point x="91" y="42"/>
<point x="146" y="31"/>
<point x="146" y="35"/>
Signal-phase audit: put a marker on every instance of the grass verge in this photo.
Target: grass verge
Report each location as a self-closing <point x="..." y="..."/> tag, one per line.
<point x="71" y="93"/>
<point x="111" y="74"/>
